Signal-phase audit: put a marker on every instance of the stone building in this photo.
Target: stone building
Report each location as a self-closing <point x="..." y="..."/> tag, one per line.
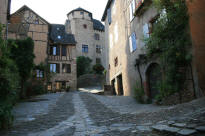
<point x="62" y="59"/>
<point x="127" y="24"/>
<point x="4" y="12"/>
<point x="26" y="23"/>
<point x="89" y="35"/>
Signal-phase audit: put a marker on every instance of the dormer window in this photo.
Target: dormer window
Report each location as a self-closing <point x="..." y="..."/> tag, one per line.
<point x="82" y="13"/>
<point x="58" y="28"/>
<point x="59" y="37"/>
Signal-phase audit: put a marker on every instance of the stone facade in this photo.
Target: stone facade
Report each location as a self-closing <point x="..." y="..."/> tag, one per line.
<point x="88" y="32"/>
<point x="127" y="23"/>
<point x="4" y="9"/>
<point x="26" y="23"/>
<point x="62" y="54"/>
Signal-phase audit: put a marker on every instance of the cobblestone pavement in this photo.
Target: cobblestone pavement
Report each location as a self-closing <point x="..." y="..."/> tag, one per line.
<point x="85" y="114"/>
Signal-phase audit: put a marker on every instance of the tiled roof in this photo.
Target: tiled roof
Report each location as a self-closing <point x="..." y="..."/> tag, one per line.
<point x="80" y="9"/>
<point x="105" y="11"/>
<point x="58" y="35"/>
<point x="97" y="25"/>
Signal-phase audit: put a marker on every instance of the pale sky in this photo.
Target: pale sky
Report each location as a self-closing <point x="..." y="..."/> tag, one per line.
<point x="55" y="11"/>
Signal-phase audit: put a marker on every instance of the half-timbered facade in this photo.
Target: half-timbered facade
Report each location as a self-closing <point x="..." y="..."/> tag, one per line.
<point x="26" y="23"/>
<point x="62" y="59"/>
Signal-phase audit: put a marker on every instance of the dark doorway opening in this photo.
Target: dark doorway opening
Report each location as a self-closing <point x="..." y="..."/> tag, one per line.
<point x="154" y="77"/>
<point x="113" y="87"/>
<point x="120" y="85"/>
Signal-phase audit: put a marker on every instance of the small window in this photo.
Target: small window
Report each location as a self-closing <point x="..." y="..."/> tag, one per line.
<point x="39" y="73"/>
<point x="109" y="16"/>
<point x="98" y="61"/>
<point x="36" y="22"/>
<point x="98" y="49"/>
<point x="58" y="28"/>
<point x="82" y="13"/>
<point x="85" y="48"/>
<point x="132" y="10"/>
<point x="64" y="51"/>
<point x="55" y="68"/>
<point x="54" y="50"/>
<point x="85" y="26"/>
<point x="97" y="36"/>
<point x="59" y="37"/>
<point x="49" y="86"/>
<point x="133" y="42"/>
<point x="66" y="68"/>
<point x="116" y="61"/>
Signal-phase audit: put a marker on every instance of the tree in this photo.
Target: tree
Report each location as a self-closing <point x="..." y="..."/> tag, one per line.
<point x="9" y="78"/>
<point x="83" y="65"/>
<point x="98" y="69"/>
<point x="22" y="54"/>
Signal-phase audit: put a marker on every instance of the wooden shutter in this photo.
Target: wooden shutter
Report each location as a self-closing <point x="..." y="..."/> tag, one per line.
<point x="109" y="15"/>
<point x="130" y="43"/>
<point x="134" y="42"/>
<point x="57" y="68"/>
<point x="64" y="51"/>
<point x="146" y="30"/>
<point x="51" y="50"/>
<point x="68" y="68"/>
<point x="57" y="50"/>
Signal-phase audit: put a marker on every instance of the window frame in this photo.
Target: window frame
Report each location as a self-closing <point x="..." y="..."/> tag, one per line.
<point x="85" y="48"/>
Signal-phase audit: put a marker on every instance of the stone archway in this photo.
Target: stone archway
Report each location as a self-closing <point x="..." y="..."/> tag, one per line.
<point x="153" y="77"/>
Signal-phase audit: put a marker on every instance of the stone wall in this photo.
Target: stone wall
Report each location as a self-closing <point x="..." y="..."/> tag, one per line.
<point x="3" y="11"/>
<point x="90" y="80"/>
<point x="197" y="26"/>
<point x="85" y="36"/>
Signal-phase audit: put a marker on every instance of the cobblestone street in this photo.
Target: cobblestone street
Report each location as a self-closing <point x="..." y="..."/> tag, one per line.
<point x="86" y="114"/>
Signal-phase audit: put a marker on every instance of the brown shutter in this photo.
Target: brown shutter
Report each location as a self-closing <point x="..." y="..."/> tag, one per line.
<point x="57" y="68"/>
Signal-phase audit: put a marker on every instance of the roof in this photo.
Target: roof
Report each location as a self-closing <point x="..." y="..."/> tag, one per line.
<point x="80" y="9"/>
<point x="97" y="25"/>
<point x="105" y="11"/>
<point x="26" y="7"/>
<point x="59" y="35"/>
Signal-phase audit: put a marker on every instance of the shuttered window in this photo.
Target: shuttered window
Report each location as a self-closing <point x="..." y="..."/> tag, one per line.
<point x="132" y="9"/>
<point x="55" y="68"/>
<point x="64" y="52"/>
<point x="109" y="15"/>
<point x="133" y="42"/>
<point x="66" y="68"/>
<point x="146" y="30"/>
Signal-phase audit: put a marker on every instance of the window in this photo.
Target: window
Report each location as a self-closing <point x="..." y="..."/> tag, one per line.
<point x="55" y="68"/>
<point x="64" y="51"/>
<point x="66" y="68"/>
<point x="98" y="61"/>
<point x="54" y="50"/>
<point x="109" y="15"/>
<point x="146" y="30"/>
<point x="82" y="13"/>
<point x="85" y="26"/>
<point x="98" y="49"/>
<point x="39" y="73"/>
<point x="97" y="36"/>
<point x="132" y="10"/>
<point x="133" y="42"/>
<point x="85" y="48"/>
<point x="116" y="61"/>
<point x="49" y="86"/>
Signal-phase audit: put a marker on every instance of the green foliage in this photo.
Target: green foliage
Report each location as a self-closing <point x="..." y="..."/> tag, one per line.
<point x="83" y="65"/>
<point x="139" y="93"/>
<point x="170" y="41"/>
<point x="98" y="69"/>
<point x="38" y="88"/>
<point x="9" y="78"/>
<point x="22" y="52"/>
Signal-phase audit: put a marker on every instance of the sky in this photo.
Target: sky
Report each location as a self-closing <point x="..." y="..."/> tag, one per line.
<point x="55" y="11"/>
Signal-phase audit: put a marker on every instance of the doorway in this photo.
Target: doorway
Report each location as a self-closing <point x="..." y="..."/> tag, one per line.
<point x="120" y="85"/>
